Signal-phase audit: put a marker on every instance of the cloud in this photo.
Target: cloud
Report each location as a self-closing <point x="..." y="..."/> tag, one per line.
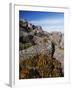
<point x="50" y="24"/>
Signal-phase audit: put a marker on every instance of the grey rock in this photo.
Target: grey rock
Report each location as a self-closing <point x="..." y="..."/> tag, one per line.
<point x="30" y="25"/>
<point x="22" y="33"/>
<point x="23" y="23"/>
<point x="62" y="42"/>
<point x="59" y="55"/>
<point x="35" y="50"/>
<point x="56" y="37"/>
<point x="41" y="40"/>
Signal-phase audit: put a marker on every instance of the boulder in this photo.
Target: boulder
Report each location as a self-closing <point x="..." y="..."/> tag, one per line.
<point x="30" y="25"/>
<point x="56" y="37"/>
<point x="35" y="50"/>
<point x="62" y="42"/>
<point x="41" y="40"/>
<point x="59" y="55"/>
<point x="23" y="23"/>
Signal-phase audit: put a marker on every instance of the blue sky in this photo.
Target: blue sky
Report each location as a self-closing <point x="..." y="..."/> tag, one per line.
<point x="50" y="21"/>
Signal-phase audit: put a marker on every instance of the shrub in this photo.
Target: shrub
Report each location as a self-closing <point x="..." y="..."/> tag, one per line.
<point x="24" y="46"/>
<point x="45" y="40"/>
<point x="40" y="66"/>
<point x="29" y="30"/>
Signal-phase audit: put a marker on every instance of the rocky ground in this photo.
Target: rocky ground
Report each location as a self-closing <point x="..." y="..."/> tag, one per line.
<point x="41" y="54"/>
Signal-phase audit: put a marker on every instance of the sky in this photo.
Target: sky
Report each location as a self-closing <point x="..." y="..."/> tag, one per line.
<point x="50" y="21"/>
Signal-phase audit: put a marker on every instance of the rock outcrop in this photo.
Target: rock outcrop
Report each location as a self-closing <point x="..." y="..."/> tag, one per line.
<point x="37" y="57"/>
<point x="57" y="38"/>
<point x="59" y="55"/>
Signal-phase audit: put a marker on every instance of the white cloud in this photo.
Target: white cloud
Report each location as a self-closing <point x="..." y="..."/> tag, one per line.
<point x="50" y="24"/>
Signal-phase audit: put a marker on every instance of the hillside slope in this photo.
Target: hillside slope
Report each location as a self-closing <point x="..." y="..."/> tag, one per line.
<point x="41" y="54"/>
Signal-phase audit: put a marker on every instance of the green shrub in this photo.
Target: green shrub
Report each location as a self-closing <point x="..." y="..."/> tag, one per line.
<point x="24" y="46"/>
<point x="29" y="30"/>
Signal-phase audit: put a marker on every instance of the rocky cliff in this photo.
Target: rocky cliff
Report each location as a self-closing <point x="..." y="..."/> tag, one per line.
<point x="41" y="54"/>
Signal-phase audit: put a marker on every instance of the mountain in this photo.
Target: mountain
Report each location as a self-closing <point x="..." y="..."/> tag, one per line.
<point x="41" y="54"/>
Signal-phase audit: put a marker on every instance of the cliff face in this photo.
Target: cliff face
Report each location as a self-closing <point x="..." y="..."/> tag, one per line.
<point x="40" y="53"/>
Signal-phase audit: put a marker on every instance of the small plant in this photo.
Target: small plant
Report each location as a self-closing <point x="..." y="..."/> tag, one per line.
<point x="45" y="40"/>
<point x="24" y="46"/>
<point x="29" y="29"/>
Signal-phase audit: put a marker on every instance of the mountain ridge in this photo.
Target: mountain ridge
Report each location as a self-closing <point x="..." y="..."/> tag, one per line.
<point x="37" y="45"/>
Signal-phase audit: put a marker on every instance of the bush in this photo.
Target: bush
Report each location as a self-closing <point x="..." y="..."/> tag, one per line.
<point x="40" y="66"/>
<point x="45" y="40"/>
<point x="29" y="30"/>
<point x="24" y="46"/>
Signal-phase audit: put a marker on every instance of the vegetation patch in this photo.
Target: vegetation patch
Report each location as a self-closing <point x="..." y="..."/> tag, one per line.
<point x="23" y="46"/>
<point x="40" y="66"/>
